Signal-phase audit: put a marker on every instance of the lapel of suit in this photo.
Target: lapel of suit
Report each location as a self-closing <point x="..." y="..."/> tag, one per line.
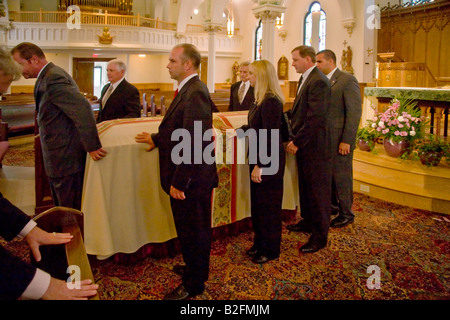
<point x="116" y="90"/>
<point x="305" y="84"/>
<point x="37" y="97"/>
<point x="105" y="89"/>
<point x="335" y="77"/>
<point x="176" y="101"/>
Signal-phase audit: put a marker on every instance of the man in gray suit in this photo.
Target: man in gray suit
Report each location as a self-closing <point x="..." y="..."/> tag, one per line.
<point x="66" y="123"/>
<point x="345" y="116"/>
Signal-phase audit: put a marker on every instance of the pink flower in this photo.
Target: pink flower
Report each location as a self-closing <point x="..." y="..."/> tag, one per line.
<point x="404" y="133"/>
<point x="397" y="133"/>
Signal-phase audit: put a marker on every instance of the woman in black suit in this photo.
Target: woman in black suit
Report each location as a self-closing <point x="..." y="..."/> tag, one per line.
<point x="267" y="171"/>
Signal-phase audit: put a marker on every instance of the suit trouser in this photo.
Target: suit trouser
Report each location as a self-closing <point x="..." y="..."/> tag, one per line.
<point x="266" y="200"/>
<point x="192" y="218"/>
<point x="67" y="191"/>
<point x="342" y="187"/>
<point x="314" y="180"/>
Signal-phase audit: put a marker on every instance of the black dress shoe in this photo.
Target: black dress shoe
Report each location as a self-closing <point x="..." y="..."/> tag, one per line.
<point x="299" y="227"/>
<point x="340" y="222"/>
<point x="335" y="212"/>
<point x="261" y="259"/>
<point x="252" y="251"/>
<point x="179" y="293"/>
<point x="179" y="269"/>
<point x="311" y="247"/>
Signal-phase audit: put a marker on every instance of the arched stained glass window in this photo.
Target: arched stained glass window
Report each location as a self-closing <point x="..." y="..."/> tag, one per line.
<point x="315" y="31"/>
<point x="258" y="42"/>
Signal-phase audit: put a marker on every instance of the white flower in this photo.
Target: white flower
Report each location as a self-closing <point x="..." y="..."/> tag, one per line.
<point x="401" y="119"/>
<point x="374" y="125"/>
<point x="412" y="133"/>
<point x="381" y="124"/>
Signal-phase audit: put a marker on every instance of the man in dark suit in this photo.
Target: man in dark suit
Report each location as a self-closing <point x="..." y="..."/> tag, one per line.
<point x="66" y="123"/>
<point x="189" y="182"/>
<point x="21" y="279"/>
<point x="312" y="146"/>
<point x="345" y="116"/>
<point x="242" y="93"/>
<point x="119" y="99"/>
<point x="17" y="277"/>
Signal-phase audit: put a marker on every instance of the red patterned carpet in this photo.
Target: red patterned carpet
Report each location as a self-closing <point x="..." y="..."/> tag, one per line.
<point x="411" y="248"/>
<point x="20" y="154"/>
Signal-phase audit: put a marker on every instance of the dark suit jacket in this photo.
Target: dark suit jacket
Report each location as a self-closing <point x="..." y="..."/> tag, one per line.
<point x="310" y="116"/>
<point x="267" y="116"/>
<point x="124" y="102"/>
<point x="15" y="274"/>
<point x="66" y="122"/>
<point x="234" y="98"/>
<point x="345" y="106"/>
<point x="192" y="104"/>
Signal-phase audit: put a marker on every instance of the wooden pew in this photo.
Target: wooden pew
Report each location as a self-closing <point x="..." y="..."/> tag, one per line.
<point x="157" y="95"/>
<point x="17" y="114"/>
<point x="222" y="99"/>
<point x="56" y="258"/>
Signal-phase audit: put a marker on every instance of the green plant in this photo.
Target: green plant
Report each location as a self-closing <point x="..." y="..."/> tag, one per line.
<point x="431" y="149"/>
<point x="368" y="135"/>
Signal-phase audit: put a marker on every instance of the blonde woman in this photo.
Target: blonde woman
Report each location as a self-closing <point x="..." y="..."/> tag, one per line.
<point x="266" y="176"/>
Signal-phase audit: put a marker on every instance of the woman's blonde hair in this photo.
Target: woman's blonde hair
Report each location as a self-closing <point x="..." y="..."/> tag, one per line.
<point x="266" y="81"/>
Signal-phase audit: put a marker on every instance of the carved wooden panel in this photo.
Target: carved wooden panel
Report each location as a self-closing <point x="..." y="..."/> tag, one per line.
<point x="421" y="36"/>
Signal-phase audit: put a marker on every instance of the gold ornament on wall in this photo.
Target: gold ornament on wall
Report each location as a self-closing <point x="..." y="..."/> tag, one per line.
<point x="346" y="60"/>
<point x="105" y="38"/>
<point x="283" y="68"/>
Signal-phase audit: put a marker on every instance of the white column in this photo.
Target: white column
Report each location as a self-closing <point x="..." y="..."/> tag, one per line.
<point x="268" y="14"/>
<point x="212" y="28"/>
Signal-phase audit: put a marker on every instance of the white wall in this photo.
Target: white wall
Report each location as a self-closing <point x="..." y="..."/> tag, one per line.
<point x="153" y="67"/>
<point x="359" y="41"/>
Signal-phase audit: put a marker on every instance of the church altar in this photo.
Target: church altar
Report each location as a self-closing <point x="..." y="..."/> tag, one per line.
<point x="124" y="205"/>
<point x="405" y="182"/>
<point x="434" y="102"/>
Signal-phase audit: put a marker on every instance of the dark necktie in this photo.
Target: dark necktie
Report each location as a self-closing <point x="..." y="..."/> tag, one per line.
<point x="299" y="84"/>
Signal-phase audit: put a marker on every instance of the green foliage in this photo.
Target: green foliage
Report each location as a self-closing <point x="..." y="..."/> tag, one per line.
<point x="431" y="149"/>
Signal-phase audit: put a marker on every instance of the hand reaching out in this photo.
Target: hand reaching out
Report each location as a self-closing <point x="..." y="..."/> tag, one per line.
<point x="98" y="154"/>
<point x="37" y="237"/>
<point x="146" y="137"/>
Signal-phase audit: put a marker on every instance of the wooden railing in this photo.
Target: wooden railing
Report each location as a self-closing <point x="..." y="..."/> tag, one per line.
<point x="91" y="18"/>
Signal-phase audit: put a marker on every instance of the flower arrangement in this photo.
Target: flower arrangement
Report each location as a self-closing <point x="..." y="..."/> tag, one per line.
<point x="401" y="120"/>
<point x="368" y="135"/>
